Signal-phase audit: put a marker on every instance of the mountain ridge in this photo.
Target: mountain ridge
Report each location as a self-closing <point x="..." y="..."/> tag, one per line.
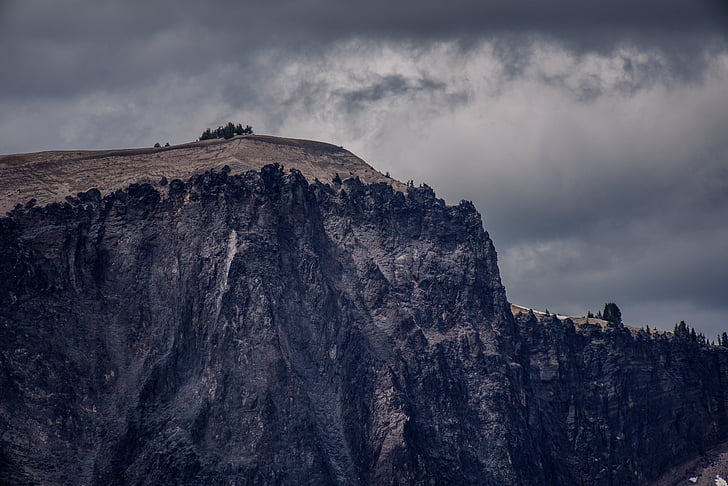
<point x="50" y="176"/>
<point x="256" y="326"/>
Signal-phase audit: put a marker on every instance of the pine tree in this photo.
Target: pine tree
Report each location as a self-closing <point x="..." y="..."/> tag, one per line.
<point x="612" y="314"/>
<point x="226" y="131"/>
<point x="681" y="330"/>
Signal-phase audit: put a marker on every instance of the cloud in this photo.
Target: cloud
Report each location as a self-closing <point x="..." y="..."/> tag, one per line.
<point x="385" y="87"/>
<point x="589" y="134"/>
<point x="65" y="48"/>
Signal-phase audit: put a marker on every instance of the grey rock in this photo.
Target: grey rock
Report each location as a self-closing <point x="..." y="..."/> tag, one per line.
<point x="256" y="329"/>
<point x="612" y="405"/>
<point x="260" y="329"/>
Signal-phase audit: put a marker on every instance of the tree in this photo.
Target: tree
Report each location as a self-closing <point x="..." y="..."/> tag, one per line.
<point x="156" y="145"/>
<point x="681" y="330"/>
<point x="226" y="131"/>
<point x="723" y="339"/>
<point x="612" y="314"/>
<point x="685" y="333"/>
<point x="702" y="339"/>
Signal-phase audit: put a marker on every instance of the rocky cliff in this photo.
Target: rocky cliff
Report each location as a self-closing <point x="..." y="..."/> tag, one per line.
<point x="612" y="405"/>
<point x="261" y="328"/>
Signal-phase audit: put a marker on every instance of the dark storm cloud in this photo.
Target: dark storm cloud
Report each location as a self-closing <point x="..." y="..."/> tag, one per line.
<point x="636" y="75"/>
<point x="392" y="85"/>
<point x="53" y="48"/>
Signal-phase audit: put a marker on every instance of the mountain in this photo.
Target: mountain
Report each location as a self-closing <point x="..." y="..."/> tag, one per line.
<point x="51" y="176"/>
<point x="225" y="312"/>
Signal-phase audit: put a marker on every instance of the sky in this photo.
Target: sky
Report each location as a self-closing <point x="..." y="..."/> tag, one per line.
<point x="592" y="136"/>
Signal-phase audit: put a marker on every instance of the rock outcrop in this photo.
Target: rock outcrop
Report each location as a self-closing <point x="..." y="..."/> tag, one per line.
<point x="262" y="328"/>
<point x="256" y="329"/>
<point x="612" y="405"/>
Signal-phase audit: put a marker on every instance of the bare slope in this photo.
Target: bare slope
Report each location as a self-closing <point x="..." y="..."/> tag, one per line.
<point x="51" y="176"/>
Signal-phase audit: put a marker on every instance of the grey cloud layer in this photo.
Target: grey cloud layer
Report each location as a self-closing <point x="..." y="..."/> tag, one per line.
<point x="590" y="134"/>
<point x="57" y="48"/>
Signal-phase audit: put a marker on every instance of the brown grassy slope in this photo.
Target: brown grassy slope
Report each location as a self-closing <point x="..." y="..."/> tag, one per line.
<point x="51" y="176"/>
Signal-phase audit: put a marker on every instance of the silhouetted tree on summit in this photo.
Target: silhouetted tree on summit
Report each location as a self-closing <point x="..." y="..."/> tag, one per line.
<point x="681" y="330"/>
<point x="226" y="131"/>
<point x="612" y="314"/>
<point x="685" y="333"/>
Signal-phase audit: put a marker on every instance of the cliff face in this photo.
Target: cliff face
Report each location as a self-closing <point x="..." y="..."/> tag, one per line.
<point x="257" y="329"/>
<point x="614" y="406"/>
<point x="261" y="329"/>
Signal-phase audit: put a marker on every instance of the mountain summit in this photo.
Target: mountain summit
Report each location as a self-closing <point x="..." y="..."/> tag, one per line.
<point x="51" y="176"/>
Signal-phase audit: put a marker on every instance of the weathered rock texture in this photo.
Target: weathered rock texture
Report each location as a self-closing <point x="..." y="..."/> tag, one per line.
<point x="612" y="405"/>
<point x="256" y="329"/>
<point x="259" y="328"/>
